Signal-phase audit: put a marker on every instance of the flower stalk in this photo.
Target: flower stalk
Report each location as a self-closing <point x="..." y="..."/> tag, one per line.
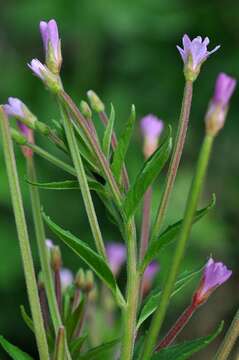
<point x="23" y="238"/>
<point x="191" y="205"/>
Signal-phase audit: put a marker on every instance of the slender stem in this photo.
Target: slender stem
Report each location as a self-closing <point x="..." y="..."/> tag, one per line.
<point x="82" y="122"/>
<point x="176" y="157"/>
<point x="23" y="238"/>
<point x="177" y="327"/>
<point x="145" y="229"/>
<point x="57" y="280"/>
<point x="180" y="248"/>
<point x="114" y="143"/>
<point x="229" y="340"/>
<point x="130" y="310"/>
<point x="42" y="249"/>
<point x="82" y="179"/>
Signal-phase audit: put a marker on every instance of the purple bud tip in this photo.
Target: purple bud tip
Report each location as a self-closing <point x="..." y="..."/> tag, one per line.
<point x="49" y="244"/>
<point x="224" y="88"/>
<point x="37" y="68"/>
<point x="66" y="278"/>
<point x="116" y="254"/>
<point x="195" y="50"/>
<point x="215" y="274"/>
<point x="149" y="276"/>
<point x="49" y="33"/>
<point x="24" y="130"/>
<point x="15" y="107"/>
<point x="151" y="127"/>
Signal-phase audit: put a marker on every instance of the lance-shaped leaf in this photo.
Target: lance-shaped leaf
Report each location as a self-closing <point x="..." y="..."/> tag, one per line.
<point x="100" y="352"/>
<point x="108" y="133"/>
<point x="74" y="318"/>
<point x="92" y="259"/>
<point x="151" y="169"/>
<point x="169" y="236"/>
<point x="76" y="345"/>
<point x="123" y="144"/>
<point x="152" y="301"/>
<point x="28" y="321"/>
<point x="69" y="185"/>
<point x="14" y="352"/>
<point x="184" y="351"/>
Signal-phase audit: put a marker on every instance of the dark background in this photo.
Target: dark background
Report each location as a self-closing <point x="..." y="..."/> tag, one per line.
<point x="126" y="52"/>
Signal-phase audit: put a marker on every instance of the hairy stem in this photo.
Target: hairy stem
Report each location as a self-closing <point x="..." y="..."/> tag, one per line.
<point x="191" y="205"/>
<point x="229" y="340"/>
<point x="176" y="157"/>
<point x="26" y="254"/>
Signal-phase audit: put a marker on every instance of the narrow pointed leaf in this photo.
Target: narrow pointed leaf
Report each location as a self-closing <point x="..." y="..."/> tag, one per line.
<point x="184" y="351"/>
<point x="108" y="133"/>
<point x="152" y="301"/>
<point x="169" y="235"/>
<point x="92" y="259"/>
<point x="123" y="144"/>
<point x="69" y="185"/>
<point x="151" y="169"/>
<point x="14" y="352"/>
<point x="28" y="321"/>
<point x="75" y="345"/>
<point x="99" y="352"/>
<point x="74" y="319"/>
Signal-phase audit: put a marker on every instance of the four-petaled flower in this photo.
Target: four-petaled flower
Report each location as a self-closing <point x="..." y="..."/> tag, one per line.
<point x="52" y="45"/>
<point x="194" y="53"/>
<point x="151" y="129"/>
<point x="214" y="275"/>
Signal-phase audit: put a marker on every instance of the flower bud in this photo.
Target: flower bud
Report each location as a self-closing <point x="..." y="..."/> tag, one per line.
<point x="93" y="295"/>
<point x="116" y="254"/>
<point x="89" y="281"/>
<point x="85" y="109"/>
<point x="52" y="45"/>
<point x="194" y="53"/>
<point x="148" y="276"/>
<point x="215" y="274"/>
<point x="151" y="128"/>
<point x="218" y="106"/>
<point x="56" y="260"/>
<point x="66" y="277"/>
<point x="80" y="279"/>
<point x="95" y="102"/>
<point x="20" y="111"/>
<point x="51" y="80"/>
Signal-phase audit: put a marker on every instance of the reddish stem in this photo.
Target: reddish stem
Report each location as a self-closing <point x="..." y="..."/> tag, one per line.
<point x="177" y="327"/>
<point x="57" y="279"/>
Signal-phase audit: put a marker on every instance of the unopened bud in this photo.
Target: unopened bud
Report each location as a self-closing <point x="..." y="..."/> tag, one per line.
<point x="85" y="109"/>
<point x="89" y="281"/>
<point x="93" y="294"/>
<point x="218" y="107"/>
<point x="80" y="279"/>
<point x="20" y="111"/>
<point x="18" y="137"/>
<point x="151" y="128"/>
<point x="56" y="260"/>
<point x="95" y="101"/>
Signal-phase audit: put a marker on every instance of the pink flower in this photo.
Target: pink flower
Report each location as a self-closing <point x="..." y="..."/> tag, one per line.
<point x="195" y="50"/>
<point x="52" y="45"/>
<point x="51" y="80"/>
<point x="15" y="107"/>
<point x="66" y="277"/>
<point x="215" y="274"/>
<point x="151" y="128"/>
<point x="116" y="254"/>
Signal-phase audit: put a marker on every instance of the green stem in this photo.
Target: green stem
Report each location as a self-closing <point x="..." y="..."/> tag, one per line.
<point x="229" y="340"/>
<point x="23" y="238"/>
<point x="130" y="311"/>
<point x="82" y="179"/>
<point x="180" y="248"/>
<point x="176" y="157"/>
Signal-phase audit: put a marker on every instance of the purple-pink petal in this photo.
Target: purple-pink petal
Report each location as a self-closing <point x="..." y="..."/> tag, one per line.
<point x="14" y="107"/>
<point x="151" y="271"/>
<point x="151" y="127"/>
<point x="49" y="33"/>
<point x="37" y="67"/>
<point x="44" y="33"/>
<point x="66" y="278"/>
<point x="224" y="88"/>
<point x="116" y="254"/>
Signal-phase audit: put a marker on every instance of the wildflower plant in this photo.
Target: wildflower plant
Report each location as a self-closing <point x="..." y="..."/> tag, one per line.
<point x="88" y="315"/>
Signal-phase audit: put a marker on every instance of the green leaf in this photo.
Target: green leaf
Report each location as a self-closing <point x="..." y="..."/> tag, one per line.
<point x="108" y="133"/>
<point x="185" y="350"/>
<point x="74" y="318"/>
<point x="99" y="352"/>
<point x="169" y="235"/>
<point x="123" y="144"/>
<point x="69" y="185"/>
<point x="147" y="175"/>
<point x="75" y="345"/>
<point x="13" y="351"/>
<point x="28" y="321"/>
<point x="92" y="259"/>
<point x="153" y="299"/>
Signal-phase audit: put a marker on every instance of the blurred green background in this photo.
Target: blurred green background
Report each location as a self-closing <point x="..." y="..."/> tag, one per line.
<point x="126" y="52"/>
